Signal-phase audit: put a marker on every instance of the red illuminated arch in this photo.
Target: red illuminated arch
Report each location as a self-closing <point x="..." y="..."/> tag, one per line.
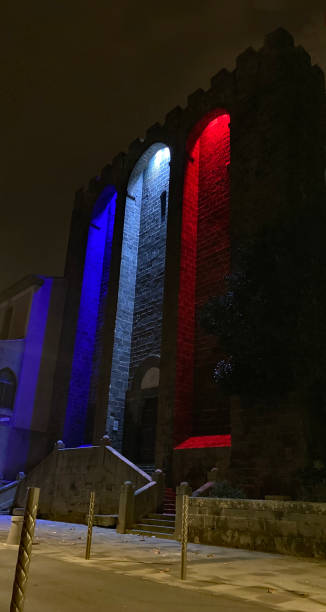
<point x="205" y="251"/>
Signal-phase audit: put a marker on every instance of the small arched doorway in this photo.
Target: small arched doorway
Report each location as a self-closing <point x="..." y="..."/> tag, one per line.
<point x="141" y="414"/>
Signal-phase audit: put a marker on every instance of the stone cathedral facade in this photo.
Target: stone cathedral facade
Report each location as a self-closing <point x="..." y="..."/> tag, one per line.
<point x="115" y="346"/>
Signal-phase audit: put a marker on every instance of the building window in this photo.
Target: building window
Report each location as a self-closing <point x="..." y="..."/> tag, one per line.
<point x="7" y="389"/>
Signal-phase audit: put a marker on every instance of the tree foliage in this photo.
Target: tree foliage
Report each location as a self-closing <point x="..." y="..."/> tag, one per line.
<point x="271" y="322"/>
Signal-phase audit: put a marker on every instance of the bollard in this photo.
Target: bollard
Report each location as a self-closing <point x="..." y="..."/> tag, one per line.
<point x="184" y="536"/>
<point x="126" y="507"/>
<point x="182" y="489"/>
<point x="90" y="524"/>
<point x="25" y="551"/>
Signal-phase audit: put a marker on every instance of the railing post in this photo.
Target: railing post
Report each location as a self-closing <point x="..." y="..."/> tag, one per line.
<point x="159" y="478"/>
<point x="126" y="507"/>
<point x="59" y="445"/>
<point x="213" y="475"/>
<point x="90" y="525"/>
<point x="25" y="551"/>
<point x="182" y="489"/>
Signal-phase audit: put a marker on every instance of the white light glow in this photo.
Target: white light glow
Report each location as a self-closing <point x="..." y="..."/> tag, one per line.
<point x="161" y="156"/>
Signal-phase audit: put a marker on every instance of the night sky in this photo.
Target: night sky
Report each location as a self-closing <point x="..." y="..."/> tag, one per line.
<point x="81" y="79"/>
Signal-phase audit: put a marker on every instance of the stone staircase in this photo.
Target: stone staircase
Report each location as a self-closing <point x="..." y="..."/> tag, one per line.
<point x="147" y="468"/>
<point x="8" y="492"/>
<point x="169" y="501"/>
<point x="159" y="525"/>
<point x="104" y="520"/>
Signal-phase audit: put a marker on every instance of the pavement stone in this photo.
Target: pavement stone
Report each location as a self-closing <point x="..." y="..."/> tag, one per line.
<point x="290" y="584"/>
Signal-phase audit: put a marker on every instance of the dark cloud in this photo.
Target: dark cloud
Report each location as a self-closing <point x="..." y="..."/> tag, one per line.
<point x="82" y="79"/>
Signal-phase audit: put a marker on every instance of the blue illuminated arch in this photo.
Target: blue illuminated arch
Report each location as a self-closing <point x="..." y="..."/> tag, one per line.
<point x="145" y="222"/>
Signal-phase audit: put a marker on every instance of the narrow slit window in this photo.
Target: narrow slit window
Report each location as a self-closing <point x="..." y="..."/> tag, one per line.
<point x="163" y="205"/>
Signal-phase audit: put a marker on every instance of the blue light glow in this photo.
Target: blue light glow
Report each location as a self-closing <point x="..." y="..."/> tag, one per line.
<point x="98" y="254"/>
<point x="29" y="374"/>
<point x="18" y="445"/>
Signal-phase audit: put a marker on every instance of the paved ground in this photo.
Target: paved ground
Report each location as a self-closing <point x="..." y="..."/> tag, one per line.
<point x="113" y="579"/>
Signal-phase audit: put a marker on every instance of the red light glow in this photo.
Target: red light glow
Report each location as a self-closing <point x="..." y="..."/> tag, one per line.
<point x="206" y="442"/>
<point x="204" y="252"/>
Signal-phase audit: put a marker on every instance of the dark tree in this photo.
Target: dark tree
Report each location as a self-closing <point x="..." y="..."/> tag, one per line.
<point x="271" y="323"/>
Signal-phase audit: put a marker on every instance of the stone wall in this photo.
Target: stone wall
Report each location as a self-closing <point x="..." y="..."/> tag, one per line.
<point x="292" y="528"/>
<point x="67" y="477"/>
<point x="118" y="383"/>
<point x="147" y="319"/>
<point x="81" y="217"/>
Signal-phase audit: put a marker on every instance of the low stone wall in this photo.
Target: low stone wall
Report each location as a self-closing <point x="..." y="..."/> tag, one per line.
<point x="293" y="528"/>
<point x="66" y="478"/>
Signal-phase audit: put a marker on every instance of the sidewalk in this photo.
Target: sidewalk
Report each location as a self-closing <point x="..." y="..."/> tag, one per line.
<point x="282" y="582"/>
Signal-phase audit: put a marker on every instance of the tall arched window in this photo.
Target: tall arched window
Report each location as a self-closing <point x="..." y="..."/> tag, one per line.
<point x="141" y="284"/>
<point x="7" y="389"/>
<point x="205" y="261"/>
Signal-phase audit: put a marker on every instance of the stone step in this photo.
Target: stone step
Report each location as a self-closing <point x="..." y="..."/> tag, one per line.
<point x="147" y="468"/>
<point x="164" y="515"/>
<point x="169" y="494"/>
<point x="150" y="534"/>
<point x="105" y="520"/>
<point x="151" y="521"/>
<point x="142" y="525"/>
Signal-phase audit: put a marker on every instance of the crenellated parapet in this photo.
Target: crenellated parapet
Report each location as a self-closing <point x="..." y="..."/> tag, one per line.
<point x="274" y="67"/>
